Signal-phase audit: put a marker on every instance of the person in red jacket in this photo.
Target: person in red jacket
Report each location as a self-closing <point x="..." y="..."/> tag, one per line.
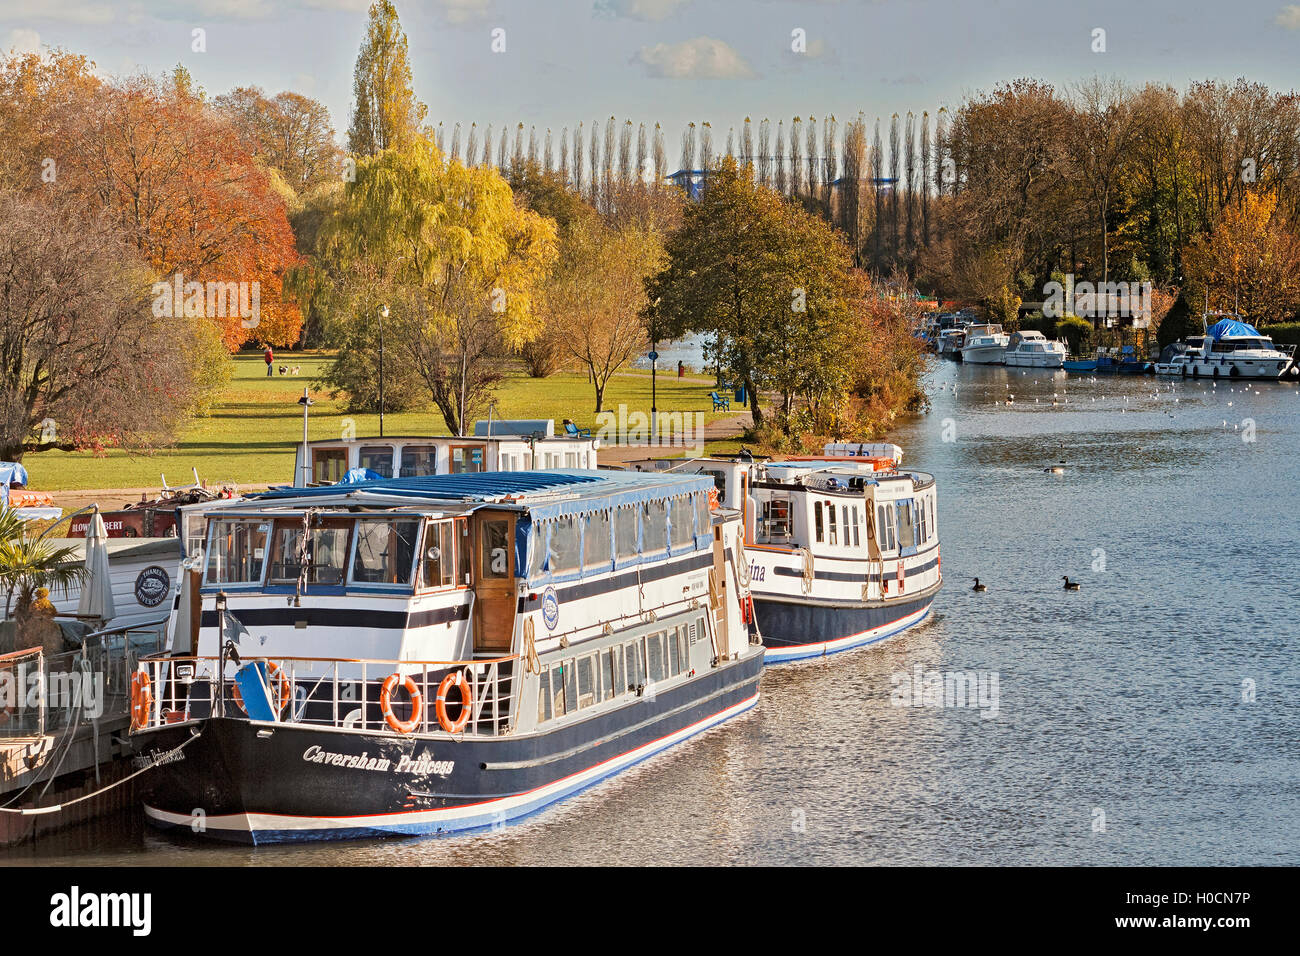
<point x="270" y="360"/>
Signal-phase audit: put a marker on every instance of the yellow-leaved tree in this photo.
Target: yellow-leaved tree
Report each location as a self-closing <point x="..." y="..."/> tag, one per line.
<point x="455" y="259"/>
<point x="1250" y="263"/>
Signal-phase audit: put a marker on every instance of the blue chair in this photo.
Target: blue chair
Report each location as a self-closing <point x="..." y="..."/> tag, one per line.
<point x="720" y="402"/>
<point x="573" y="431"/>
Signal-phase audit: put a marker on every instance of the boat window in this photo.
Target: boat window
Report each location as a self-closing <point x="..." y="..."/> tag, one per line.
<point x="570" y="459"/>
<point x="934" y="530"/>
<point x="832" y="537"/>
<point x="906" y="534"/>
<point x="439" y="556"/>
<point x="682" y="521"/>
<point x="848" y="536"/>
<point x="611" y="671"/>
<point x="557" y="689"/>
<point x="376" y="458"/>
<point x="419" y="460"/>
<point x="655" y="656"/>
<point x="466" y="459"/>
<point x="544" y="711"/>
<point x="817" y="520"/>
<point x="674" y="651"/>
<point x="571" y="685"/>
<point x="495" y="538"/>
<point x="328" y="465"/>
<point x="857" y="524"/>
<point x="537" y="563"/>
<point x="595" y="540"/>
<point x="634" y="655"/>
<point x="385" y="550"/>
<point x="586" y="681"/>
<point x="566" y="545"/>
<point x="775" y="522"/>
<point x="702" y="519"/>
<point x="625" y="531"/>
<point x="923" y="529"/>
<point x="885" y="527"/>
<point x="236" y="551"/>
<point x="654" y="527"/>
<point x="326" y="551"/>
<point x="462" y="549"/>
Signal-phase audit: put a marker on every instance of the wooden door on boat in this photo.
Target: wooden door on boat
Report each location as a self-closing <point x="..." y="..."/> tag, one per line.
<point x="718" y="594"/>
<point x="495" y="593"/>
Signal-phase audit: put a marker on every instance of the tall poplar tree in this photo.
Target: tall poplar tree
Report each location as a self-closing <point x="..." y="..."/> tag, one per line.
<point x="385" y="111"/>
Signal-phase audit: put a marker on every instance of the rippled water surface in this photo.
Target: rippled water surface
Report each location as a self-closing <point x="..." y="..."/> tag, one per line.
<point x="1121" y="704"/>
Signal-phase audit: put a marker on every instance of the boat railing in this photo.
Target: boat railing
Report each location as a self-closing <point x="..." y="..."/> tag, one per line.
<point x="467" y="697"/>
<point x="43" y="693"/>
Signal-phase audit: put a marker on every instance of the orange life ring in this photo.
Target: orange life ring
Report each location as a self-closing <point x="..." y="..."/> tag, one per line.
<point x="713" y="499"/>
<point x="141" y="700"/>
<point x="456" y="679"/>
<point x="386" y="703"/>
<point x="275" y="674"/>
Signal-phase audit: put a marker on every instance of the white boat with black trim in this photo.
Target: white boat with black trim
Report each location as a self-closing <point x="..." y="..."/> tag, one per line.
<point x="440" y="654"/>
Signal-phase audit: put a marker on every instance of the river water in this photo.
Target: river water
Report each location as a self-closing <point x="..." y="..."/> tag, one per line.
<point x="1149" y="718"/>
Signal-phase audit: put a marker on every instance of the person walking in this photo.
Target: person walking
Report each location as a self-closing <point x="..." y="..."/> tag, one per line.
<point x="270" y="360"/>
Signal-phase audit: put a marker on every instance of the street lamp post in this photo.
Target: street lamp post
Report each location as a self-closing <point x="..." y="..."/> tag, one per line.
<point x="383" y="314"/>
<point x="306" y="403"/>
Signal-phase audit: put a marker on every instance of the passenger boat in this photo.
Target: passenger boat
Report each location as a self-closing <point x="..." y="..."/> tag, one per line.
<point x="1232" y="348"/>
<point x="442" y="653"/>
<point x="1031" y="349"/>
<point x="843" y="551"/>
<point x="985" y="345"/>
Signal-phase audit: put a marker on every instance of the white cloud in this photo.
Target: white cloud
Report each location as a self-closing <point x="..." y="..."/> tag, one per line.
<point x="23" y="41"/>
<point x="1288" y="18"/>
<point x="67" y="11"/>
<point x="697" y="58"/>
<point x="639" y="9"/>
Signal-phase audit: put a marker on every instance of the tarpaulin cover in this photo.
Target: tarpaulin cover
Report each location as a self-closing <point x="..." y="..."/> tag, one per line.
<point x="12" y="473"/>
<point x="1231" y="327"/>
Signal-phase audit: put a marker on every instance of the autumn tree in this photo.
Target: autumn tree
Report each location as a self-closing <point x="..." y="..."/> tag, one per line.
<point x="592" y="303"/>
<point x="385" y="110"/>
<point x="289" y="132"/>
<point x="766" y="282"/>
<point x="1249" y="264"/>
<point x="455" y="258"/>
<point x="83" y="358"/>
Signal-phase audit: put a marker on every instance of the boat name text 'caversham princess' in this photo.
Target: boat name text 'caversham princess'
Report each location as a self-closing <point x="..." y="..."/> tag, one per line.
<point x="407" y="764"/>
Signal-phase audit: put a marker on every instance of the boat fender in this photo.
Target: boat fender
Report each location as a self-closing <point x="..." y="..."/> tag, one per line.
<point x="141" y="700"/>
<point x="386" y="703"/>
<point x="454" y="679"/>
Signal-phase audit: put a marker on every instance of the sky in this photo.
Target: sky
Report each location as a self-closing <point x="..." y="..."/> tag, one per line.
<point x="552" y="63"/>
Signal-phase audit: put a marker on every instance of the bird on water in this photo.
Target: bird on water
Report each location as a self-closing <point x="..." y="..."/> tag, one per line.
<point x="1070" y="585"/>
<point x="979" y="587"/>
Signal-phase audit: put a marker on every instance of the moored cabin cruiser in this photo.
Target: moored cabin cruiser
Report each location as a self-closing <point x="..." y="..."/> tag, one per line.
<point x="439" y="654"/>
<point x="843" y="550"/>
<point x="950" y="342"/>
<point x="1234" y="349"/>
<point x="1031" y="349"/>
<point x="985" y="345"/>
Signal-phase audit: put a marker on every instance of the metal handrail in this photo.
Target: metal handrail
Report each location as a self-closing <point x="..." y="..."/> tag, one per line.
<point x="318" y="696"/>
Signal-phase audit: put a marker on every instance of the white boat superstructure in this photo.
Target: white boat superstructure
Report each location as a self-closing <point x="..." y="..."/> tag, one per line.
<point x="985" y="345"/>
<point x="842" y="551"/>
<point x="1232" y="348"/>
<point x="1032" y="349"/>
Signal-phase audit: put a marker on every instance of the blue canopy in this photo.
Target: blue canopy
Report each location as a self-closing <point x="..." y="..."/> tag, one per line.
<point x="1231" y="327"/>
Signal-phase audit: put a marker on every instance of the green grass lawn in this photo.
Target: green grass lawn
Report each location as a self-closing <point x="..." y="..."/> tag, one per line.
<point x="249" y="437"/>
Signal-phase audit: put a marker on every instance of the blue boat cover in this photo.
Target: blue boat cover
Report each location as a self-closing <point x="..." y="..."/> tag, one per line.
<point x="1231" y="327"/>
<point x="359" y="474"/>
<point x="12" y="473"/>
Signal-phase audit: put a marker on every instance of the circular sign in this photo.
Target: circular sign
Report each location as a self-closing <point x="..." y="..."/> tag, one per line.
<point x="654" y="356"/>
<point x="152" y="586"/>
<point x="550" y="609"/>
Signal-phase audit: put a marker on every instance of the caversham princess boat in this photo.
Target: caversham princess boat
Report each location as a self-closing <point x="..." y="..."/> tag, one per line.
<point x="843" y="550"/>
<point x="441" y="653"/>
